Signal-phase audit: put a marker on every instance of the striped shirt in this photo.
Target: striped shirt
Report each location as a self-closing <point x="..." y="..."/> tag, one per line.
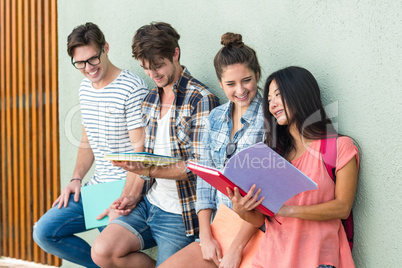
<point x="217" y="136"/>
<point x="107" y="115"/>
<point x="190" y="108"/>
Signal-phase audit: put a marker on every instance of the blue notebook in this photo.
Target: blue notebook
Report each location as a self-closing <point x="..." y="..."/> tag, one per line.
<point x="147" y="158"/>
<point x="96" y="198"/>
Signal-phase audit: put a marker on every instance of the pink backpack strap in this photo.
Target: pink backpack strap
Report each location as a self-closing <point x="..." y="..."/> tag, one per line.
<point x="329" y="153"/>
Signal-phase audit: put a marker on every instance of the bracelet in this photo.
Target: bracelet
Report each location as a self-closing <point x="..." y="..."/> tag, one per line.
<point x="147" y="172"/>
<point x="78" y="179"/>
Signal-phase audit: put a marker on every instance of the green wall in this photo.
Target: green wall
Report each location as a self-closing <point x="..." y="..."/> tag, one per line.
<point x="353" y="48"/>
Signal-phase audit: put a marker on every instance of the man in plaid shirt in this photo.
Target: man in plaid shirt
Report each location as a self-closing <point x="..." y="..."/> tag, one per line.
<point x="173" y="116"/>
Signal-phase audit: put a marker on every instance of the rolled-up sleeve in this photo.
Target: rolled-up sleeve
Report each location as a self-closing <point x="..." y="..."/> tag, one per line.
<point x="206" y="194"/>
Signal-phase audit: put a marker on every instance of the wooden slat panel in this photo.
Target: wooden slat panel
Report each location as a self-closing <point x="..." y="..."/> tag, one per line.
<point x="48" y="121"/>
<point x="15" y="151"/>
<point x="27" y="133"/>
<point x="47" y="127"/>
<point x="34" y="125"/>
<point x="8" y="127"/>
<point x="27" y="148"/>
<point x="21" y="160"/>
<point x="39" y="92"/>
<point x="29" y="123"/>
<point x="4" y="245"/>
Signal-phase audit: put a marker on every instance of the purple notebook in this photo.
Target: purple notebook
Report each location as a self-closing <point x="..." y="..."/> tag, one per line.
<point x="278" y="179"/>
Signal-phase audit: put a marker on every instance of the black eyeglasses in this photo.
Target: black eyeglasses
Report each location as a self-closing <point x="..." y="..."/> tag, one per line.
<point x="91" y="61"/>
<point x="230" y="150"/>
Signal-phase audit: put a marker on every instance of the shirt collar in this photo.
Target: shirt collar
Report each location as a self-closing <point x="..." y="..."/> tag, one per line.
<point x="186" y="74"/>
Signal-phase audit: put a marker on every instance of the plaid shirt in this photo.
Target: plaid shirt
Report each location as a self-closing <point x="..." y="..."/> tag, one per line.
<point x="190" y="108"/>
<point x="217" y="136"/>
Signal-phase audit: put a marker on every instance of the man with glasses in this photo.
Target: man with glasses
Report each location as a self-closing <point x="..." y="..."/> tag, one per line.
<point x="110" y="100"/>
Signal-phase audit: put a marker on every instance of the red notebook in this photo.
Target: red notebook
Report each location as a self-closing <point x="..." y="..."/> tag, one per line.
<point x="258" y="164"/>
<point x="220" y="182"/>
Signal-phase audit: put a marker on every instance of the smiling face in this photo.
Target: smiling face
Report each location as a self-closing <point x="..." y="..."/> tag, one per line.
<point x="239" y="84"/>
<point x="276" y="107"/>
<point x="163" y="72"/>
<point x="96" y="73"/>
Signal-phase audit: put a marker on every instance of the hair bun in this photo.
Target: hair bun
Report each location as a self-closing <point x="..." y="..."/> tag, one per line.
<point x="232" y="40"/>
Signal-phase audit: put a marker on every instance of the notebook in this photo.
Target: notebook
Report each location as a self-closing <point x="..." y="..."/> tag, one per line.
<point x="258" y="164"/>
<point x="98" y="197"/>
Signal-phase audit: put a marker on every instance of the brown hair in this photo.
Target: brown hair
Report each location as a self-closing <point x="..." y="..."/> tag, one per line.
<point x="235" y="51"/>
<point x="88" y="33"/>
<point x="156" y="40"/>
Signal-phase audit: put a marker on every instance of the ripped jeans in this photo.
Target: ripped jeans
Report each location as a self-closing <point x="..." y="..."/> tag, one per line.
<point x="55" y="233"/>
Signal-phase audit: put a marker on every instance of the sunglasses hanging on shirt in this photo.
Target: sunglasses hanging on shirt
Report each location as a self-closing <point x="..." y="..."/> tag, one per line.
<point x="230" y="150"/>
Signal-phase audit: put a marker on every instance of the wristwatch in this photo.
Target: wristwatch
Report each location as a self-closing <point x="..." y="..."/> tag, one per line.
<point x="146" y="176"/>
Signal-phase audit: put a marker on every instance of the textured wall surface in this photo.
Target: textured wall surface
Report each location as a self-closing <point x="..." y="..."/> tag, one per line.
<point x="353" y="48"/>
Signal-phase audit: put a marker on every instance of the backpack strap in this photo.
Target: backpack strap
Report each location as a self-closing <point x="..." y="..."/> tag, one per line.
<point x="329" y="153"/>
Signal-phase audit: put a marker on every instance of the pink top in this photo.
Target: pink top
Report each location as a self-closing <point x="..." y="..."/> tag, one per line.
<point x="303" y="243"/>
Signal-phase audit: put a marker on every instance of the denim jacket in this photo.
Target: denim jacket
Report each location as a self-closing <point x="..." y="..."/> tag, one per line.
<point x="215" y="139"/>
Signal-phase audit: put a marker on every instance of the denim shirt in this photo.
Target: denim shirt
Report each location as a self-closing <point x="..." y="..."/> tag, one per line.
<point x="215" y="139"/>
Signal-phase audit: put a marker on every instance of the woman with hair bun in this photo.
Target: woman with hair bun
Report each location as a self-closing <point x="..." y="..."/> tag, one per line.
<point x="230" y="127"/>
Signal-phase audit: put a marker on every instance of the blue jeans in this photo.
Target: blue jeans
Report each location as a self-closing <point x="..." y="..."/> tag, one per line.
<point x="55" y="233"/>
<point x="154" y="226"/>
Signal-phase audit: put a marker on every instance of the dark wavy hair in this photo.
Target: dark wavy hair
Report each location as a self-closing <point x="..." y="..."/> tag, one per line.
<point x="85" y="34"/>
<point x="154" y="41"/>
<point x="301" y="98"/>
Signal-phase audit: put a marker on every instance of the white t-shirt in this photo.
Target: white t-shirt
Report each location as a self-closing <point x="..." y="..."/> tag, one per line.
<point x="107" y="115"/>
<point x="163" y="192"/>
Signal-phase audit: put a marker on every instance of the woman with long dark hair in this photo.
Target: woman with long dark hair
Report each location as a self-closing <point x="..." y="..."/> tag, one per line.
<point x="308" y="231"/>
